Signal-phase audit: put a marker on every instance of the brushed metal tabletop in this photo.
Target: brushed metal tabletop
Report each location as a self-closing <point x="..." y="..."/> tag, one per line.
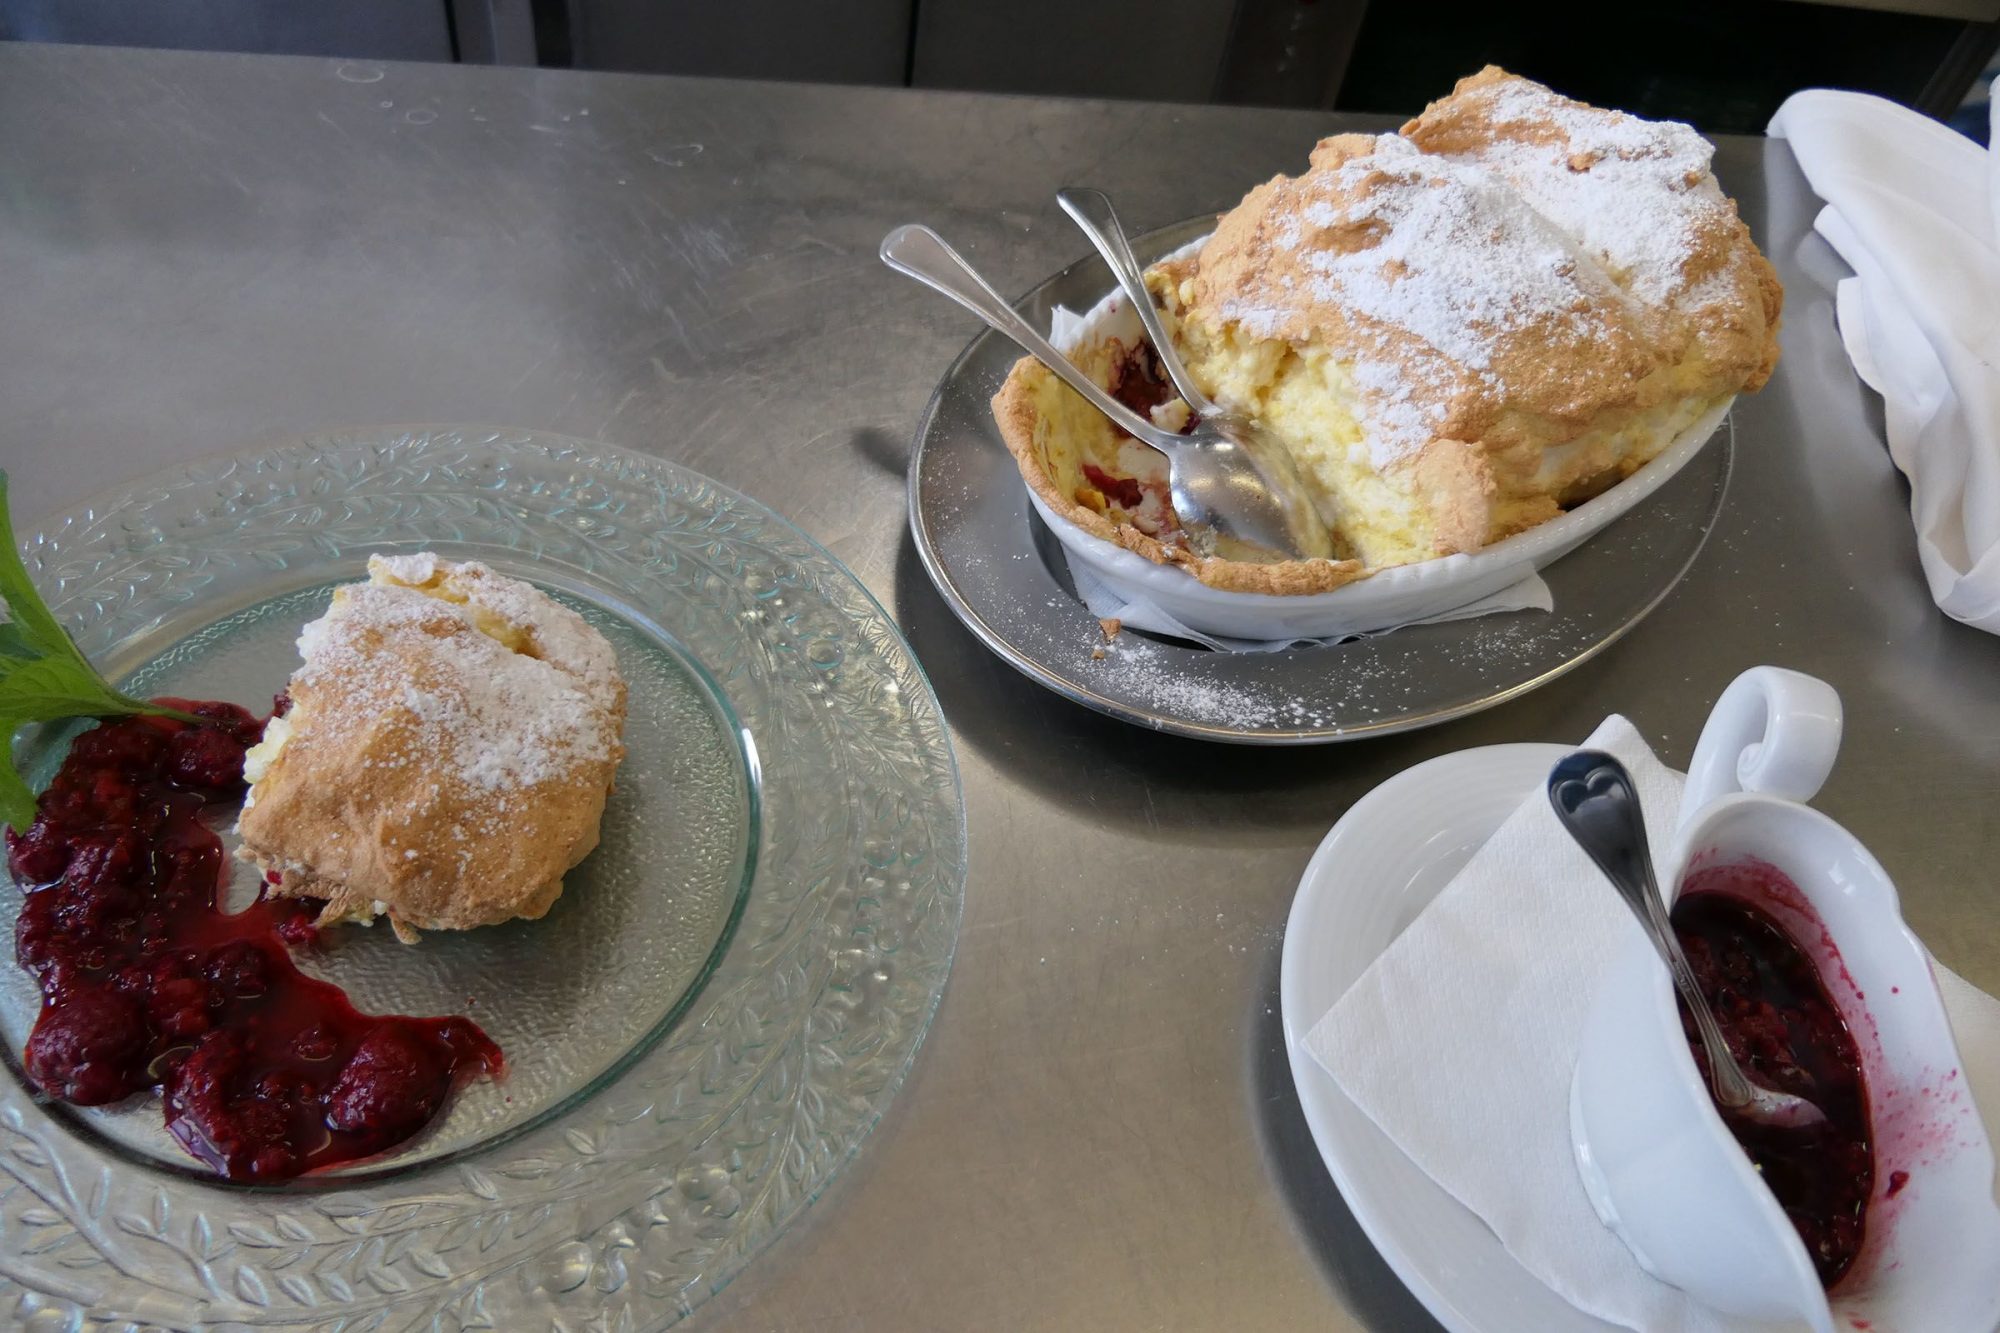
<point x="200" y="251"/>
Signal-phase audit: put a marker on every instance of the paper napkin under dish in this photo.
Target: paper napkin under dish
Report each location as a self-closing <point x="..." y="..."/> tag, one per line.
<point x="1914" y="209"/>
<point x="1490" y="986"/>
<point x="1138" y="612"/>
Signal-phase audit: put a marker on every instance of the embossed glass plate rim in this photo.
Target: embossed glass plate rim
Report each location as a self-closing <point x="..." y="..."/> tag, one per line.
<point x="43" y="738"/>
<point x="714" y="1259"/>
<point x="1025" y="660"/>
<point x="35" y="532"/>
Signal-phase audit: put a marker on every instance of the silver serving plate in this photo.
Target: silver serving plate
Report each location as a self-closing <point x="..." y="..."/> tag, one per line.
<point x="1003" y="574"/>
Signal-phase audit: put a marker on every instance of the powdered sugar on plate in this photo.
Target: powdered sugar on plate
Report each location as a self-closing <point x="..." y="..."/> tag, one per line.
<point x="1361" y="690"/>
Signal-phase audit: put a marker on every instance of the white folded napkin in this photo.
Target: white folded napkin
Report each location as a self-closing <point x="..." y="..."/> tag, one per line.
<point x="1491" y="983"/>
<point x="1107" y="603"/>
<point x="1914" y="209"/>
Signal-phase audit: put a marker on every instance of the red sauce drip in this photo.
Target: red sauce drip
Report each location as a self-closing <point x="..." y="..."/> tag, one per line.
<point x="1897" y="1179"/>
<point x="1781" y="1024"/>
<point x="1124" y="491"/>
<point x="146" y="983"/>
<point x="1137" y="379"/>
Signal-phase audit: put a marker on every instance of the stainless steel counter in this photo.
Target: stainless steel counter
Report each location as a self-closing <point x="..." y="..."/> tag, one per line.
<point x="1101" y="1133"/>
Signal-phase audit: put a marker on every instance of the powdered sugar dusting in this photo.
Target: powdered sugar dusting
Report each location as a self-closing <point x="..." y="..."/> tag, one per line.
<point x="412" y="569"/>
<point x="561" y="637"/>
<point x="464" y="704"/>
<point x="1164" y="676"/>
<point x="1460" y="261"/>
<point x="1356" y="689"/>
<point x="1445" y="263"/>
<point x="1636" y="194"/>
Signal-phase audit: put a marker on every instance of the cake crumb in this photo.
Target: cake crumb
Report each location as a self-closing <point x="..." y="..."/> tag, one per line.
<point x="1110" y="625"/>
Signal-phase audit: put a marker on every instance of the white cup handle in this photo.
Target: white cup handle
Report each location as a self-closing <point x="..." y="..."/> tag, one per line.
<point x="1773" y="731"/>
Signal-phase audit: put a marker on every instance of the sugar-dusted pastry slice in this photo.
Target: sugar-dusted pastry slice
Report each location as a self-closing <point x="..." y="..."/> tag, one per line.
<point x="445" y="760"/>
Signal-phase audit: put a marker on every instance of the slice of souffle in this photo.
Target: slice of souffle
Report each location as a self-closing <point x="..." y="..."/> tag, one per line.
<point x="450" y="742"/>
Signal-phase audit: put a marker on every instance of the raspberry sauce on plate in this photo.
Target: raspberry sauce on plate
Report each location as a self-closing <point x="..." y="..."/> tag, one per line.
<point x="147" y="983"/>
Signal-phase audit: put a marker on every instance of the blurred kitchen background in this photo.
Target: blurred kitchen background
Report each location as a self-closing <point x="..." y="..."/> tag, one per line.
<point x="1722" y="64"/>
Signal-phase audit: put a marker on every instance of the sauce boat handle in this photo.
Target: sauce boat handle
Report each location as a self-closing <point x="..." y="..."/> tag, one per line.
<point x="1773" y="731"/>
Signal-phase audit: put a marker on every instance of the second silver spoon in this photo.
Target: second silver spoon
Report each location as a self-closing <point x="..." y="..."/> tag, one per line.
<point x="1226" y="505"/>
<point x="1093" y="214"/>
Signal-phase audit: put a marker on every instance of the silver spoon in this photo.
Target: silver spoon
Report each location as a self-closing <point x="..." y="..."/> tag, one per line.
<point x="1093" y="214"/>
<point x="1594" y="800"/>
<point x="1227" y="504"/>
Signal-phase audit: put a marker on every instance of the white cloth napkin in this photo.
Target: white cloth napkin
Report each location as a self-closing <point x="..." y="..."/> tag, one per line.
<point x="1107" y="603"/>
<point x="1914" y="209"/>
<point x="1492" y="982"/>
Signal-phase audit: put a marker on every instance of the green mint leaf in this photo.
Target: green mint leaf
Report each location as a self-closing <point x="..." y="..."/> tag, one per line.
<point x="43" y="676"/>
<point x="27" y="613"/>
<point x="49" y="688"/>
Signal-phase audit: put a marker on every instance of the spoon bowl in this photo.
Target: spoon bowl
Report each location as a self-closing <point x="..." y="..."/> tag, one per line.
<point x="1277" y="513"/>
<point x="1235" y="497"/>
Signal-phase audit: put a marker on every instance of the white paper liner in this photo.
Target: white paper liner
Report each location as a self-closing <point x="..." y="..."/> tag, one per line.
<point x="1141" y="612"/>
<point x="1168" y="600"/>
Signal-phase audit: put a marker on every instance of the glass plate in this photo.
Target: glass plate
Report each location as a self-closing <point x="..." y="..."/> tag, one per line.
<point x="699" y="1033"/>
<point x="1004" y="575"/>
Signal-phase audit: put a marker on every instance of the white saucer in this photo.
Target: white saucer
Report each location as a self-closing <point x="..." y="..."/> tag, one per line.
<point x="1389" y="855"/>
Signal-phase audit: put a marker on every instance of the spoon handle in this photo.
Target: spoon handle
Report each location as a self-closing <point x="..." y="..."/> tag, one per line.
<point x="922" y="253"/>
<point x="1092" y="212"/>
<point x="1594" y="798"/>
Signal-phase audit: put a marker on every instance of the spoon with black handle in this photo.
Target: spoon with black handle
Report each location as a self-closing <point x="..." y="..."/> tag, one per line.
<point x="1594" y="800"/>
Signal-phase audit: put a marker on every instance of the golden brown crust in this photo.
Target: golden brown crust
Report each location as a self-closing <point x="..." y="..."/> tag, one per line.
<point x="373" y="803"/>
<point x="1020" y="422"/>
<point x="1456" y="476"/>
